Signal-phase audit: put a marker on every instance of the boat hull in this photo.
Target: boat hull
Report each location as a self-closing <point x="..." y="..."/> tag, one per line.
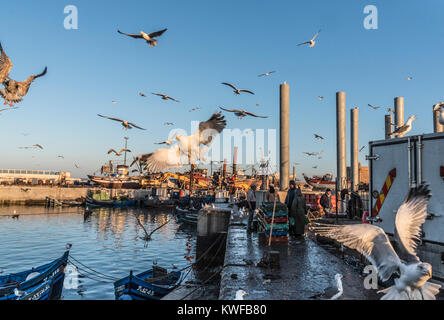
<point x="116" y="183"/>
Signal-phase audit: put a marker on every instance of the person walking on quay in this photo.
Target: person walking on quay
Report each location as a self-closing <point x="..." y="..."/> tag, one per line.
<point x="251" y="201"/>
<point x="289" y="201"/>
<point x="272" y="195"/>
<point x="326" y="202"/>
<point x="297" y="212"/>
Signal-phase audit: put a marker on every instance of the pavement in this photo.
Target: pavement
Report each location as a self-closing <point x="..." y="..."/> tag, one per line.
<point x="306" y="270"/>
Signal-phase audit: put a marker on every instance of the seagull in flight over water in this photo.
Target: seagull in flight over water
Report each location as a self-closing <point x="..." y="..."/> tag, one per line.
<point x="373" y="242"/>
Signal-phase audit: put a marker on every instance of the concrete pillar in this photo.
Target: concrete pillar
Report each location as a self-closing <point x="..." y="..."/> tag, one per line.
<point x="354" y="148"/>
<point x="235" y="162"/>
<point x="437" y="127"/>
<point x="284" y="134"/>
<point x="399" y="113"/>
<point x="294" y="173"/>
<point x="388" y="125"/>
<point x="341" y="150"/>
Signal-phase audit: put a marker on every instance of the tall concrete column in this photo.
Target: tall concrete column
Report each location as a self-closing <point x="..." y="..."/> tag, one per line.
<point x="284" y="134"/>
<point x="388" y="125"/>
<point x="354" y="148"/>
<point x="437" y="127"/>
<point x="399" y="113"/>
<point x="341" y="161"/>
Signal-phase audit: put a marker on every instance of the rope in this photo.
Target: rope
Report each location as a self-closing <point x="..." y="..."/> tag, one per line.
<point x="88" y="276"/>
<point x="99" y="274"/>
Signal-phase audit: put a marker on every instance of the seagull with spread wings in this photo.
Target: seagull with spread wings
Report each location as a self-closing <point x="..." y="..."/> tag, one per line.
<point x="13" y="91"/>
<point x="360" y="150"/>
<point x="236" y="90"/>
<point x="373" y="242"/>
<point x="266" y="74"/>
<point x="242" y="113"/>
<point x="126" y="124"/>
<point x="187" y="150"/>
<point x="164" y="96"/>
<point x="118" y="153"/>
<point x="373" y="107"/>
<point x="320" y="138"/>
<point x="312" y="42"/>
<point x="147" y="36"/>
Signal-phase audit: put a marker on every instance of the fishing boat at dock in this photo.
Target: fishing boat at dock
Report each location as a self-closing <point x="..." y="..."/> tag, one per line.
<point x="322" y="183"/>
<point x="112" y="203"/>
<point x="41" y="283"/>
<point x="152" y="284"/>
<point x="116" y="177"/>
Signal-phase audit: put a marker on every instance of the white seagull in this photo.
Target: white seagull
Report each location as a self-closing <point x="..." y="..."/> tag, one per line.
<point x="164" y="96"/>
<point x="240" y="294"/>
<point x="266" y="74"/>
<point x="242" y="113"/>
<point x="236" y="90"/>
<point x="312" y="42"/>
<point x="187" y="150"/>
<point x="402" y="130"/>
<point x="147" y="36"/>
<point x="126" y="124"/>
<point x="373" y="242"/>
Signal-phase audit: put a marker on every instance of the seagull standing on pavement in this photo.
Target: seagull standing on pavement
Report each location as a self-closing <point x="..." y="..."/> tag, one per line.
<point x="240" y="294"/>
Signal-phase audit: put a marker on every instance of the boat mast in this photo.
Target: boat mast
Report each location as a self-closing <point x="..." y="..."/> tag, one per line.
<point x="126" y="145"/>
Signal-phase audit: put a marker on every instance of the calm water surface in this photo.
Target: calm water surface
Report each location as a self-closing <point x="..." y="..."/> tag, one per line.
<point x="107" y="241"/>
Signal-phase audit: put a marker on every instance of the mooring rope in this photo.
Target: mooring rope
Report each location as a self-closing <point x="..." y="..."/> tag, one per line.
<point x="99" y="274"/>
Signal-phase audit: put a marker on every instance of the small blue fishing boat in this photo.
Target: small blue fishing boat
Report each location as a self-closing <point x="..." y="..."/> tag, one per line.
<point x="187" y="215"/>
<point x="41" y="283"/>
<point x="149" y="285"/>
<point x="93" y="203"/>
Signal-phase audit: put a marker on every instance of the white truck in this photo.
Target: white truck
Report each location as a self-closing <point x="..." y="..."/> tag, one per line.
<point x="395" y="166"/>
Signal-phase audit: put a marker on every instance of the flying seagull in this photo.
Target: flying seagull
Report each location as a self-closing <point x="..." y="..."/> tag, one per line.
<point x="266" y="74"/>
<point x="312" y="42"/>
<point x="1" y="110"/>
<point x="142" y="94"/>
<point x="315" y="167"/>
<point x="360" y="150"/>
<point x="373" y="107"/>
<point x="118" y="153"/>
<point x="373" y="242"/>
<point x="320" y="138"/>
<point x="168" y="124"/>
<point x="114" y="102"/>
<point x="147" y="36"/>
<point x="164" y="96"/>
<point x="409" y="78"/>
<point x="402" y="130"/>
<point x="320" y="98"/>
<point x="76" y="165"/>
<point x="187" y="150"/>
<point x="62" y="157"/>
<point x="242" y="113"/>
<point x="194" y="109"/>
<point x="236" y="90"/>
<point x="168" y="142"/>
<point x="126" y="124"/>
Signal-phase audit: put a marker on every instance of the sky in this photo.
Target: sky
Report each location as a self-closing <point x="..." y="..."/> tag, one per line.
<point x="209" y="42"/>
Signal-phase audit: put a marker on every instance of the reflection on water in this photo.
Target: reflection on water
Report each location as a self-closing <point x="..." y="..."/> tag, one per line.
<point x="108" y="240"/>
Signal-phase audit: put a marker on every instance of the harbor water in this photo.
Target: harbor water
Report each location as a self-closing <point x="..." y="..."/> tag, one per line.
<point x="108" y="241"/>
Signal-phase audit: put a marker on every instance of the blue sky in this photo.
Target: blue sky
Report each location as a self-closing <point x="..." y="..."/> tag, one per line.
<point x="209" y="42"/>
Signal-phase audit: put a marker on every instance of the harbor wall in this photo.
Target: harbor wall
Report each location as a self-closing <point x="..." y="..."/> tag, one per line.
<point x="38" y="194"/>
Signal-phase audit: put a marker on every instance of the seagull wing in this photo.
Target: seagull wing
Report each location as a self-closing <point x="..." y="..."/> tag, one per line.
<point x="247" y="91"/>
<point x="135" y="126"/>
<point x="254" y="115"/>
<point x="112" y="150"/>
<point x="157" y="33"/>
<point x="124" y="150"/>
<point x="315" y="35"/>
<point x="135" y="36"/>
<point x="369" y="240"/>
<point x="110" y="118"/>
<point x="300" y="44"/>
<point x="211" y="128"/>
<point x="5" y="65"/>
<point x="172" y="99"/>
<point x="23" y="86"/>
<point x="409" y="219"/>
<point x="230" y="85"/>
<point x="163" y="159"/>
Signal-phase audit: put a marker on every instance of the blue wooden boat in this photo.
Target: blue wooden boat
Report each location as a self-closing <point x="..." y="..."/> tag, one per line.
<point x="41" y="283"/>
<point x="149" y="285"/>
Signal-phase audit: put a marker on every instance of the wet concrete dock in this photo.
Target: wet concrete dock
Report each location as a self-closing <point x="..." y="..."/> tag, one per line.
<point x="306" y="270"/>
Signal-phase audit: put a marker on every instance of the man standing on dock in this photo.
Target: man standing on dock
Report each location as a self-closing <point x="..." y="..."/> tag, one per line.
<point x="325" y="202"/>
<point x="251" y="200"/>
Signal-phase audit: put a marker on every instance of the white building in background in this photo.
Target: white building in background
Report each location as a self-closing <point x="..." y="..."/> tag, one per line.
<point x="35" y="177"/>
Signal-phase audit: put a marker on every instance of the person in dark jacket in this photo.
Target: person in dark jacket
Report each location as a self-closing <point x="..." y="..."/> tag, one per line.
<point x="326" y="201"/>
<point x="297" y="212"/>
<point x="290" y="194"/>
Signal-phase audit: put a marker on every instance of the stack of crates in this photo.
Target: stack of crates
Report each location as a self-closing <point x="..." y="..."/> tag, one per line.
<point x="280" y="225"/>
